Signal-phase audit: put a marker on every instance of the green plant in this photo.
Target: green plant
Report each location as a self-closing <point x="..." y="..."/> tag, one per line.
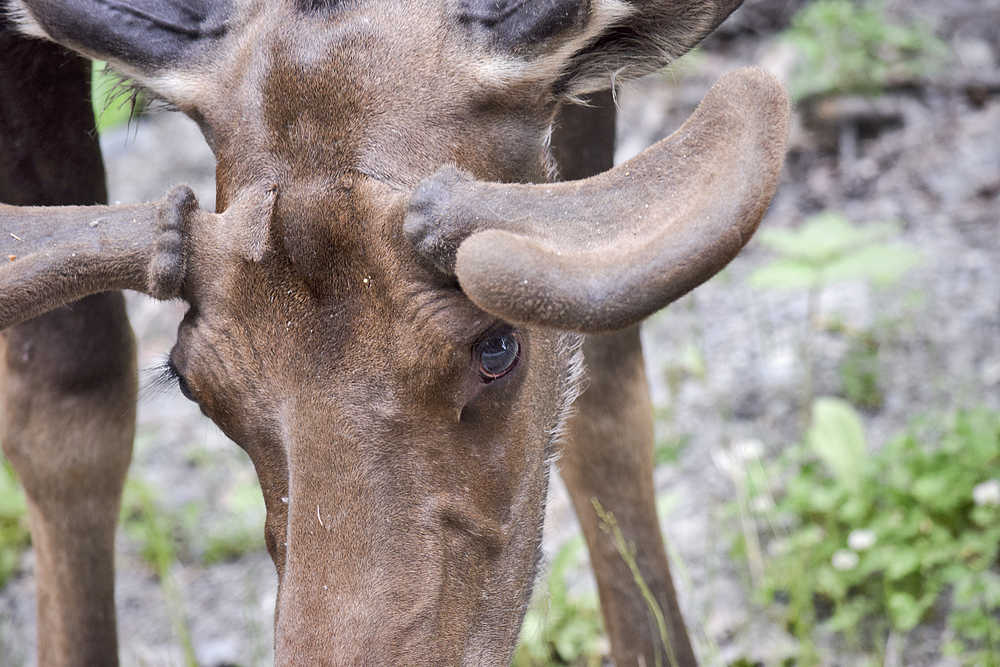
<point x="826" y="250"/>
<point x="561" y="628"/>
<point x="148" y="526"/>
<point x="872" y="541"/>
<point x="241" y="529"/>
<point x="668" y="445"/>
<point x="853" y="46"/>
<point x="859" y="372"/>
<point x="113" y="100"/>
<point x="668" y="448"/>
<point x="14" y="537"/>
<point x="627" y="552"/>
<point x="155" y="531"/>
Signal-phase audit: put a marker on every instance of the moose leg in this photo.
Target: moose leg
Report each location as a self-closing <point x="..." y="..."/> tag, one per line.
<point x="608" y="457"/>
<point x="608" y="452"/>
<point x="69" y="377"/>
<point x="69" y="420"/>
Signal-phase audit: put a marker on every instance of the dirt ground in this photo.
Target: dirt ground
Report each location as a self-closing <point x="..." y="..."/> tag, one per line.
<point x="935" y="169"/>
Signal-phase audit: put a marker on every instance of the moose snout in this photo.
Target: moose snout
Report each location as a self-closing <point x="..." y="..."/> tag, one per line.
<point x="357" y="590"/>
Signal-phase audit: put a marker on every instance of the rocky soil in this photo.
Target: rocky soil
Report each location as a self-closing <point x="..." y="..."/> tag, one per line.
<point x="935" y="169"/>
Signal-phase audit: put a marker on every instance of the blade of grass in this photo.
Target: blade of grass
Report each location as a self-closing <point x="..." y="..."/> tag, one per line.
<point x="610" y="526"/>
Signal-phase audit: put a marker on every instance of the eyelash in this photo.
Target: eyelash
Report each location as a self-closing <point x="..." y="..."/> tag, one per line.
<point x="162" y="377"/>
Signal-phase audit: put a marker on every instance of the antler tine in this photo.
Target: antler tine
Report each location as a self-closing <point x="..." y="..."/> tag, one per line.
<point x="50" y="256"/>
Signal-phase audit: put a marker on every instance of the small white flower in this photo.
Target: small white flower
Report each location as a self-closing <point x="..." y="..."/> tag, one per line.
<point x="844" y="559"/>
<point x="727" y="463"/>
<point x="762" y="504"/>
<point x="748" y="450"/>
<point x="987" y="493"/>
<point x="778" y="547"/>
<point x="859" y="540"/>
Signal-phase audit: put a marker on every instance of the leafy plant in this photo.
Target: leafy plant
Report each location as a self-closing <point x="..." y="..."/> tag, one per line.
<point x="14" y="537"/>
<point x="668" y="444"/>
<point x="853" y="46"/>
<point x="668" y="448"/>
<point x="859" y="372"/>
<point x="149" y="526"/>
<point x="156" y="531"/>
<point x="829" y="249"/>
<point x="561" y="628"/>
<point x="626" y="550"/>
<point x="113" y="101"/>
<point x="241" y="530"/>
<point x="868" y="543"/>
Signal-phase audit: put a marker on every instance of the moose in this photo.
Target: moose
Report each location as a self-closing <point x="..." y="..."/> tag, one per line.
<point x="390" y="310"/>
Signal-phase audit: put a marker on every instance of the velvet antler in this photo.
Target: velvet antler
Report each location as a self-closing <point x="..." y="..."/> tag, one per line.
<point x="603" y="253"/>
<point x="50" y="256"/>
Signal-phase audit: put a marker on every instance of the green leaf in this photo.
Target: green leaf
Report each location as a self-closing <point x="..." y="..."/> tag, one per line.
<point x="829" y="248"/>
<point x="849" y="615"/>
<point x="12" y="503"/>
<point x="14" y="537"/>
<point x="112" y="98"/>
<point x="823" y="238"/>
<point x="830" y="582"/>
<point x="786" y="274"/>
<point x="939" y="490"/>
<point x="905" y="611"/>
<point x="882" y="264"/>
<point x="905" y="562"/>
<point x="836" y="436"/>
<point x="854" y="509"/>
<point x="824" y="500"/>
<point x="855" y="47"/>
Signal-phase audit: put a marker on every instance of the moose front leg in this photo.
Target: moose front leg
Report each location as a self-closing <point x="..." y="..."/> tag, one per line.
<point x="68" y="377"/>
<point x="608" y="457"/>
<point x="608" y="452"/>
<point x="69" y="420"/>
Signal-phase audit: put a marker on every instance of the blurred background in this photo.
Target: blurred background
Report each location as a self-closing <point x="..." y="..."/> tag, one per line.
<point x="828" y="407"/>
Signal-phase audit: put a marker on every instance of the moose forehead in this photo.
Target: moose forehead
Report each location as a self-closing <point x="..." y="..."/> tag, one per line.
<point x="338" y="274"/>
<point x="389" y="89"/>
<point x="320" y="105"/>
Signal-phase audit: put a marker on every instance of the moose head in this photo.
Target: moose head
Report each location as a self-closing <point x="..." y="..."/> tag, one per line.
<point x="387" y="308"/>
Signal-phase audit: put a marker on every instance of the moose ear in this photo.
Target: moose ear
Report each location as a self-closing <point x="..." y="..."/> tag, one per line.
<point x="583" y="46"/>
<point x="151" y="41"/>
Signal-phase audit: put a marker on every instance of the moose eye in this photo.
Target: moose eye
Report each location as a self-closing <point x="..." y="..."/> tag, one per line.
<point x="185" y="389"/>
<point x="497" y="355"/>
<point x="170" y="371"/>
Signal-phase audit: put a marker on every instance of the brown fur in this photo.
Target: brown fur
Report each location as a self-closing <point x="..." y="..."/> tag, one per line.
<point x="68" y="378"/>
<point x="585" y="255"/>
<point x="404" y="494"/>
